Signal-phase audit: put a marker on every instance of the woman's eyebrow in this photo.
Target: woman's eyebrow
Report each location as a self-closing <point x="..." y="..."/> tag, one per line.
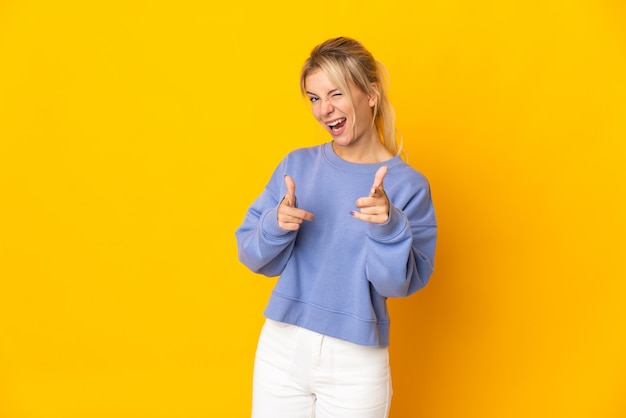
<point x="328" y="94"/>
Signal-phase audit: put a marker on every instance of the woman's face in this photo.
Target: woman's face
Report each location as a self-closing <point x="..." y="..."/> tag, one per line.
<point x="348" y="123"/>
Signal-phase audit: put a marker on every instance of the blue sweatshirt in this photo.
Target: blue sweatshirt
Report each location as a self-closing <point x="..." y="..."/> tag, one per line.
<point x="336" y="272"/>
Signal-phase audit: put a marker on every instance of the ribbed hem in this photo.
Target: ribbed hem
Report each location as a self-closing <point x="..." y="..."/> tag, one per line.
<point x="334" y="324"/>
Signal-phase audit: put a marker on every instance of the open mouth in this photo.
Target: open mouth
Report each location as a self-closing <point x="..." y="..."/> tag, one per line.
<point x="337" y="125"/>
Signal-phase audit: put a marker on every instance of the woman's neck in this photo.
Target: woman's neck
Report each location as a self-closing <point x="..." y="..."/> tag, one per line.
<point x="370" y="154"/>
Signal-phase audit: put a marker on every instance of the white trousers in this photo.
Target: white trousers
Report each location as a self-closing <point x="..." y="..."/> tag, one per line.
<point x="302" y="374"/>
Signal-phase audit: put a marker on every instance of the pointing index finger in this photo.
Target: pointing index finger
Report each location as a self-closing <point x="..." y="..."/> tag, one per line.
<point x="378" y="181"/>
<point x="290" y="196"/>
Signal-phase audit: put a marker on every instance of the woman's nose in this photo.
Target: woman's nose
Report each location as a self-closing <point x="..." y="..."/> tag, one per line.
<point x="327" y="107"/>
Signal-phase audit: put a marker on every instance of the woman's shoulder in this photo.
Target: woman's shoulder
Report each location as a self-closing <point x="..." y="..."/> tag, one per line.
<point x="407" y="172"/>
<point x="304" y="153"/>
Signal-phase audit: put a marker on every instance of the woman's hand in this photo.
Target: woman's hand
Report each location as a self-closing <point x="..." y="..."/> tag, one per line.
<point x="375" y="207"/>
<point x="289" y="216"/>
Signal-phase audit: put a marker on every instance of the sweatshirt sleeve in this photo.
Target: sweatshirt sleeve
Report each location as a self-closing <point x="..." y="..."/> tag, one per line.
<point x="263" y="246"/>
<point x="400" y="253"/>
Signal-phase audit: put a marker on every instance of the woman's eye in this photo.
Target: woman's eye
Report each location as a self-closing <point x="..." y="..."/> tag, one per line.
<point x="313" y="99"/>
<point x="336" y="94"/>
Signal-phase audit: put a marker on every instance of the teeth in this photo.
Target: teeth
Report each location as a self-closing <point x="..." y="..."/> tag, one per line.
<point x="333" y="124"/>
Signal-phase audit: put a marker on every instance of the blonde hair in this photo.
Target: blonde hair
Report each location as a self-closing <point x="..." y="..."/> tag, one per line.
<point x="344" y="59"/>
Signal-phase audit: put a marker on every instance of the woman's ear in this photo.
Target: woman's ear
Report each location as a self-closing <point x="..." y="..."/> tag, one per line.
<point x="372" y="97"/>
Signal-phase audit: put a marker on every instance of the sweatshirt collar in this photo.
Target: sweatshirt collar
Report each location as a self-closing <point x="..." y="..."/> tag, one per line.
<point x="335" y="160"/>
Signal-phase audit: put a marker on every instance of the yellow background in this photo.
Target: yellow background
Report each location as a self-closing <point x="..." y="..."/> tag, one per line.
<point x="134" y="134"/>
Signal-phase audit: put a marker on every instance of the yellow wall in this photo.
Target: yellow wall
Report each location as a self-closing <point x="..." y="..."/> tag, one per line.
<point x="134" y="134"/>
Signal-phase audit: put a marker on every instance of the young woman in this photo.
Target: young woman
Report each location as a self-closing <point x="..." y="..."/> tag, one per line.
<point x="346" y="225"/>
